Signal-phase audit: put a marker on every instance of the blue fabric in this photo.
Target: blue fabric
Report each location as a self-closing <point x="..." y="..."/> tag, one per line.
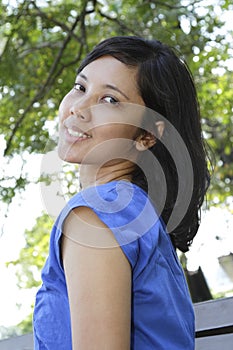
<point x="162" y="312"/>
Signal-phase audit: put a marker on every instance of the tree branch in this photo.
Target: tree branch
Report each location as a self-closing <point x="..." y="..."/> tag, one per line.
<point x="121" y="24"/>
<point x="44" y="45"/>
<point x="16" y="19"/>
<point x="54" y="21"/>
<point x="51" y="77"/>
<point x="169" y="6"/>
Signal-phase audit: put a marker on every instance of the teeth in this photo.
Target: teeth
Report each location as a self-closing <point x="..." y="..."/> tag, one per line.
<point x="78" y="134"/>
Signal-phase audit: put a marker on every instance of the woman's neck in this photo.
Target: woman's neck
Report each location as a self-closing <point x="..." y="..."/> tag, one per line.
<point x="92" y="174"/>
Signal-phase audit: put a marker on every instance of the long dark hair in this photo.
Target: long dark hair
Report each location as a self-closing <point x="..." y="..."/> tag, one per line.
<point x="166" y="86"/>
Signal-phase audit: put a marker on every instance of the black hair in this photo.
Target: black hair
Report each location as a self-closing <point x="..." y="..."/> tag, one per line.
<point x="166" y="86"/>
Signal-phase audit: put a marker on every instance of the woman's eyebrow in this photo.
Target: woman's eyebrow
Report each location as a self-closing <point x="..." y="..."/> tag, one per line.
<point x="109" y="86"/>
<point x="81" y="75"/>
<point x="116" y="89"/>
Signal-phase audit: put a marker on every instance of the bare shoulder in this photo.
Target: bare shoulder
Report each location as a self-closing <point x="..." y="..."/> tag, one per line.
<point x="98" y="277"/>
<point x="84" y="227"/>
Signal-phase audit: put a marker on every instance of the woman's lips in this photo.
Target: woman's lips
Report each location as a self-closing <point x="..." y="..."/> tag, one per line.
<point x="78" y="133"/>
<point x="73" y="131"/>
<point x="74" y="136"/>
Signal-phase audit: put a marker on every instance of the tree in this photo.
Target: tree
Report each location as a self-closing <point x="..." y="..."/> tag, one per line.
<point x="42" y="43"/>
<point x="41" y="46"/>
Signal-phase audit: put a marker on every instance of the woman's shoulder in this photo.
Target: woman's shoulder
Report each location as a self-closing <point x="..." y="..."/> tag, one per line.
<point x="124" y="207"/>
<point x="110" y="196"/>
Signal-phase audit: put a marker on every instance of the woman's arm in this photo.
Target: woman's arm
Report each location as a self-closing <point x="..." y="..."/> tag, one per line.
<point x="98" y="282"/>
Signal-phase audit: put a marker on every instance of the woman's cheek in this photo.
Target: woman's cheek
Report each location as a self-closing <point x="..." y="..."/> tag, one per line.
<point x="63" y="110"/>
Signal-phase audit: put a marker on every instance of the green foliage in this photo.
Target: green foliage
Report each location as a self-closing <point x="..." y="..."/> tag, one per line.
<point x="25" y="326"/>
<point x="42" y="44"/>
<point x="32" y="257"/>
<point x="30" y="262"/>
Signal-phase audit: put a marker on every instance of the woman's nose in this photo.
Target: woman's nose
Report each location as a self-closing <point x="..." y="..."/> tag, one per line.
<point x="81" y="110"/>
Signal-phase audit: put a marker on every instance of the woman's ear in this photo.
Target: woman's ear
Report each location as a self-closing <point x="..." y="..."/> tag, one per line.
<point x="145" y="141"/>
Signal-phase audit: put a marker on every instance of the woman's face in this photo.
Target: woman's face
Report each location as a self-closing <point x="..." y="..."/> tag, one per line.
<point x="101" y="115"/>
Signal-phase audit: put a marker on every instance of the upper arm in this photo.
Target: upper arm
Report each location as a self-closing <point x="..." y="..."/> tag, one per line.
<point x="98" y="283"/>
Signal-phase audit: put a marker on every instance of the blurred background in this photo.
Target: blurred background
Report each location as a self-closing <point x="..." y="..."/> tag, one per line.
<point x="41" y="45"/>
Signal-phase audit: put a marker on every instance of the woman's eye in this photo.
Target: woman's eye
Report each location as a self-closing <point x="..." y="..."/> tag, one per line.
<point x="79" y="87"/>
<point x="111" y="100"/>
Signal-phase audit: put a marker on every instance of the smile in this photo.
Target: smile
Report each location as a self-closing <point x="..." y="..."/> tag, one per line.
<point x="80" y="135"/>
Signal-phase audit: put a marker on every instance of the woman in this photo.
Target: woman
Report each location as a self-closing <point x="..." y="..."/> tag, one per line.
<point x="112" y="279"/>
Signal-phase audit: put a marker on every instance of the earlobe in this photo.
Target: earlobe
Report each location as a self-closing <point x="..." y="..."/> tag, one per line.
<point x="140" y="146"/>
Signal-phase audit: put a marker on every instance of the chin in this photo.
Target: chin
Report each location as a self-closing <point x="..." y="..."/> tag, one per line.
<point x="67" y="156"/>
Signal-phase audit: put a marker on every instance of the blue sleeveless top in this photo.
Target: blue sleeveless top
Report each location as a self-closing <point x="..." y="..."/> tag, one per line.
<point x="162" y="315"/>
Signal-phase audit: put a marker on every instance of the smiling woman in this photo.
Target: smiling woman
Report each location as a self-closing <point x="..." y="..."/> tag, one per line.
<point x="95" y="111"/>
<point x="112" y="279"/>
